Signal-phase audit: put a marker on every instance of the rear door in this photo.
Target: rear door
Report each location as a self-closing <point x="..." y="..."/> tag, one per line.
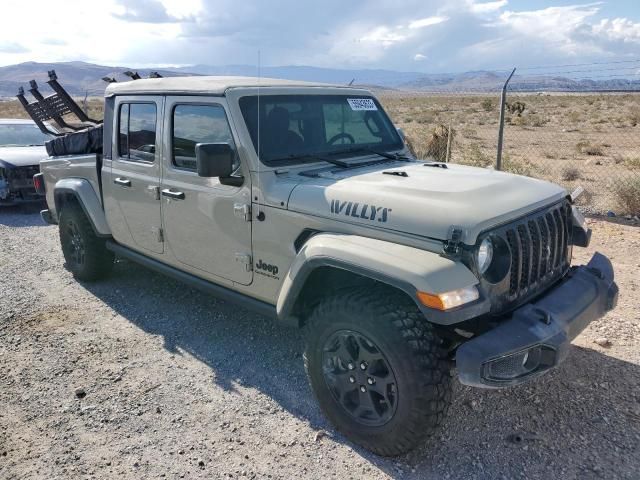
<point x="134" y="183"/>
<point x="207" y="224"/>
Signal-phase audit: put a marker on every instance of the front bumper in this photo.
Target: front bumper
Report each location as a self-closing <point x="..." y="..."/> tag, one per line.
<point x="537" y="336"/>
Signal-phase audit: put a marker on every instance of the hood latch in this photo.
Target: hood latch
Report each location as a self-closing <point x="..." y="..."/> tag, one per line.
<point x="454" y="239"/>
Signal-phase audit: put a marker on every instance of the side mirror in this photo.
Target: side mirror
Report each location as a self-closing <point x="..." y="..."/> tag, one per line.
<point x="401" y="133"/>
<point x="214" y="160"/>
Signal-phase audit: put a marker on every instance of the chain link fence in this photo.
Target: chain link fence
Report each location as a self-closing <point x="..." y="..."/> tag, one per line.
<point x="573" y="139"/>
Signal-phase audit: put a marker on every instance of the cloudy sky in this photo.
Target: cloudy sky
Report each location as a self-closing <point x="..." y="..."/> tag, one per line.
<point x="411" y="35"/>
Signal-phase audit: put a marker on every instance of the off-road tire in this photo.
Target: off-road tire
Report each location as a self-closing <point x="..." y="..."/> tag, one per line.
<point x="413" y="351"/>
<point x="96" y="261"/>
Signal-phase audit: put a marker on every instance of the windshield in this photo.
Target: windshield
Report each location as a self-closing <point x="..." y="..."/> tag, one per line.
<point x="21" y="135"/>
<point x="297" y="127"/>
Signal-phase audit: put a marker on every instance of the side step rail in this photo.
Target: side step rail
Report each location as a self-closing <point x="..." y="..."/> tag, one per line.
<point x="205" y="286"/>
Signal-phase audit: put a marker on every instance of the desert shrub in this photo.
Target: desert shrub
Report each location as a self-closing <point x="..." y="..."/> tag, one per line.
<point x="519" y="167"/>
<point x="519" y="121"/>
<point x="469" y="133"/>
<point x="475" y="157"/>
<point x="487" y="105"/>
<point x="574" y="117"/>
<point x="437" y="144"/>
<point x="628" y="195"/>
<point x="570" y="174"/>
<point x="634" y="117"/>
<point x="516" y="108"/>
<point x="587" y="148"/>
<point x="537" y="121"/>
<point x="632" y="162"/>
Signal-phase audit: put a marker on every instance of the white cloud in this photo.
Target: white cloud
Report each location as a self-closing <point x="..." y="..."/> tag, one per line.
<point x="427" y="22"/>
<point x="618" y="29"/>
<point x="384" y="36"/>
<point x="552" y="22"/>
<point x="455" y="35"/>
<point x="486" y="7"/>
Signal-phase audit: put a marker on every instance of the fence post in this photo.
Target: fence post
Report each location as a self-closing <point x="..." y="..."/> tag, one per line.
<point x="503" y="101"/>
<point x="449" y="138"/>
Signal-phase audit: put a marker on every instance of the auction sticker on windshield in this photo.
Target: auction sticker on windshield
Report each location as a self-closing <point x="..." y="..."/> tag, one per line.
<point x="362" y="104"/>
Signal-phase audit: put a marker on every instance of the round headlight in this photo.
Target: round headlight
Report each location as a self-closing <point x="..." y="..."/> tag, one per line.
<point x="485" y="255"/>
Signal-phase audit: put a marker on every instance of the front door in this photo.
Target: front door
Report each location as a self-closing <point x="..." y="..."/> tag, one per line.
<point x="205" y="224"/>
<point x="134" y="184"/>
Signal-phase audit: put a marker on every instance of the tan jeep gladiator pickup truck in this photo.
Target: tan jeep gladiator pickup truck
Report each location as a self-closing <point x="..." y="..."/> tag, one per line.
<point x="302" y="202"/>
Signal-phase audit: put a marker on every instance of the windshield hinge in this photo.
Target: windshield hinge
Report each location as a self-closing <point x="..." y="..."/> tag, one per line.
<point x="158" y="233"/>
<point x="454" y="239"/>
<point x="243" y="211"/>
<point x="245" y="259"/>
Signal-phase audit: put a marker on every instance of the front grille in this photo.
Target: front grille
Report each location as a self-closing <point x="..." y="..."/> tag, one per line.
<point x="539" y="245"/>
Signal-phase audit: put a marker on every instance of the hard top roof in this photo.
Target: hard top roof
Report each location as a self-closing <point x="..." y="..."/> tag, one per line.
<point x="212" y="85"/>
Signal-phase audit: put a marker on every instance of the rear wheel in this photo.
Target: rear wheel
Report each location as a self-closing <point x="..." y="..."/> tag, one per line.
<point x="86" y="255"/>
<point x="378" y="369"/>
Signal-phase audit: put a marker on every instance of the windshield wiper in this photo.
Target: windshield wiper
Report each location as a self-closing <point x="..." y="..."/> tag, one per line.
<point x="390" y="156"/>
<point x="311" y="156"/>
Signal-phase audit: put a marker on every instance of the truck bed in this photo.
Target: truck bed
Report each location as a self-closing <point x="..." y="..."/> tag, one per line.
<point x="86" y="166"/>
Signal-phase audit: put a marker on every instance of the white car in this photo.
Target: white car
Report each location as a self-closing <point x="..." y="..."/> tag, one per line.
<point x="21" y="149"/>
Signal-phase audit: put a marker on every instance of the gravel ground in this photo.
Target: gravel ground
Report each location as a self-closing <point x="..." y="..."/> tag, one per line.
<point x="141" y="377"/>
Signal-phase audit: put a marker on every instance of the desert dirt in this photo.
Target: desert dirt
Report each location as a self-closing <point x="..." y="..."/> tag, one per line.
<point x="588" y="140"/>
<point x="141" y="377"/>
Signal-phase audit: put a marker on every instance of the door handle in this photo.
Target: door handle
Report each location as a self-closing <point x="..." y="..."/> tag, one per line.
<point x="173" y="194"/>
<point x="123" y="182"/>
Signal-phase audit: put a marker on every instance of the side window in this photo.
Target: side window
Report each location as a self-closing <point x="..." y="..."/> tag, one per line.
<point x="193" y="124"/>
<point x="137" y="131"/>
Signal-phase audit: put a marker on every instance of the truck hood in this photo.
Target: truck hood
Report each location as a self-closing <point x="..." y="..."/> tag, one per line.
<point x="423" y="200"/>
<point x="22" y="156"/>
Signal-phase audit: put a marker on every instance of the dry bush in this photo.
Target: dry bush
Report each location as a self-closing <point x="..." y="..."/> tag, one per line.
<point x="587" y="148"/>
<point x="516" y="108"/>
<point x="487" y="105"/>
<point x="518" y="121"/>
<point x="570" y="174"/>
<point x="574" y="117"/>
<point x="475" y="157"/>
<point x="634" y="117"/>
<point x="537" y="121"/>
<point x="519" y="167"/>
<point x="632" y="162"/>
<point x="437" y="144"/>
<point x="628" y="195"/>
<point x="470" y="133"/>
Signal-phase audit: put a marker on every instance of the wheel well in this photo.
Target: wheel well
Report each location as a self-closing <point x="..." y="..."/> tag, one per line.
<point x="62" y="198"/>
<point x="67" y="197"/>
<point x="324" y="281"/>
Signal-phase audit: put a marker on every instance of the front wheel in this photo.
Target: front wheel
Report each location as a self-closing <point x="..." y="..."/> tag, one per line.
<point x="85" y="254"/>
<point x="378" y="369"/>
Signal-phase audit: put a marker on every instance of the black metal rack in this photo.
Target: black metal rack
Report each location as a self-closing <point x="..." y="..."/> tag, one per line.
<point x="54" y="107"/>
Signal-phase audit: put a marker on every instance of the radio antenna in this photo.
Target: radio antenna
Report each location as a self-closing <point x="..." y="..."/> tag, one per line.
<point x="259" y="182"/>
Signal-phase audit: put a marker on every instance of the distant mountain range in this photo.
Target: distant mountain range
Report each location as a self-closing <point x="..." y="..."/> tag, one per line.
<point x="81" y="78"/>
